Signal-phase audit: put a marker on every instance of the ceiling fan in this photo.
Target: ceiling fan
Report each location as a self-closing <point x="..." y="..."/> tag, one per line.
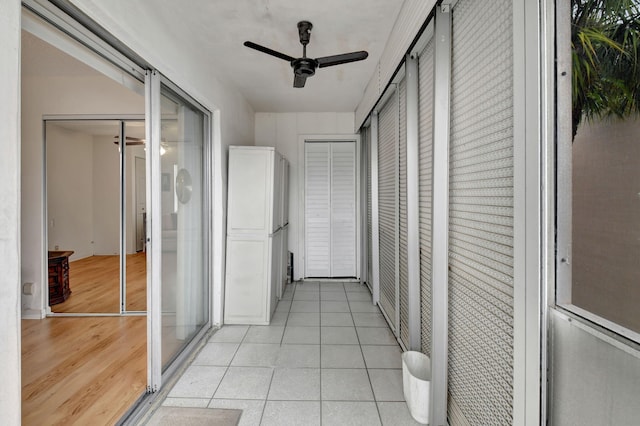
<point x="306" y="67"/>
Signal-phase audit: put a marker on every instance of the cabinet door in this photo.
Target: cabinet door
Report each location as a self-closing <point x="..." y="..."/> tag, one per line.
<point x="250" y="191"/>
<point x="247" y="295"/>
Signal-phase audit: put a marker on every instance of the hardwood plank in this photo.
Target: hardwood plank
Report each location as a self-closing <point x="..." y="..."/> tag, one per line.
<point x="95" y="285"/>
<point x="87" y="370"/>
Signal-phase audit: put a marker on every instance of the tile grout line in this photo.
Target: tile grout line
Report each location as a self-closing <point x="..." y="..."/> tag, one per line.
<point x="375" y="401"/>
<point x="228" y="366"/>
<point x="266" y="398"/>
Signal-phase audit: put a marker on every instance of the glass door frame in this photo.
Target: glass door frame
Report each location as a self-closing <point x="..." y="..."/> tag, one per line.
<point x="154" y="83"/>
<point x="117" y="61"/>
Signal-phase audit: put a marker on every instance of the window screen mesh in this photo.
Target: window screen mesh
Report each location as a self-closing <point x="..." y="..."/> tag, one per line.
<point x="387" y="204"/>
<point x="481" y="214"/>
<point x="425" y="85"/>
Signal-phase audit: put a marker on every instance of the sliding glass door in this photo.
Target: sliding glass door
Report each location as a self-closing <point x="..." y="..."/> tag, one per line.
<point x="179" y="171"/>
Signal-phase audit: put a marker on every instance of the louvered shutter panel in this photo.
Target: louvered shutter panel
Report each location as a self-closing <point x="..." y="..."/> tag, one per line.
<point x="343" y="210"/>
<point x="317" y="210"/>
<point x="387" y="205"/>
<point x="402" y="214"/>
<point x="481" y="214"/>
<point x="425" y="84"/>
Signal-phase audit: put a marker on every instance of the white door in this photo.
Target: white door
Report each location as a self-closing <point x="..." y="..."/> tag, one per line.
<point x="330" y="209"/>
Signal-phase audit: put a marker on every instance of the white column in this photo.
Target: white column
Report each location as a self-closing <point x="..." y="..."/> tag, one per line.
<point x="440" y="218"/>
<point x="10" y="391"/>
<point x="529" y="138"/>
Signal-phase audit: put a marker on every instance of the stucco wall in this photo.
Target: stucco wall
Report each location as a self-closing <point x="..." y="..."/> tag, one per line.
<point x="10" y="392"/>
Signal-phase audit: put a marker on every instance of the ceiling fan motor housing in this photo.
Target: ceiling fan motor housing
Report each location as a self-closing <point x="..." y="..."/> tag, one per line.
<point x="304" y="67"/>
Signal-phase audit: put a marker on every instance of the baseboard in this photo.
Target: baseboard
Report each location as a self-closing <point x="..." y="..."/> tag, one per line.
<point x="33" y="314"/>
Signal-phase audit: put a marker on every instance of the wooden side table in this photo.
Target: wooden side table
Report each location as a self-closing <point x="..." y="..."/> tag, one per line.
<point x="59" y="289"/>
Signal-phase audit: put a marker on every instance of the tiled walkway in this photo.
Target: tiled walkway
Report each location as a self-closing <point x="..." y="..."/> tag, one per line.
<point x="327" y="358"/>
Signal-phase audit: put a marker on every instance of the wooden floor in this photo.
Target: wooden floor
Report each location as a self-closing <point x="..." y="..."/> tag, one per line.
<point x="82" y="370"/>
<point x="95" y="285"/>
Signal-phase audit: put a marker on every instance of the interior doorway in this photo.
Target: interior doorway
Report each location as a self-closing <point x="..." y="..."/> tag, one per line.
<point x="96" y="203"/>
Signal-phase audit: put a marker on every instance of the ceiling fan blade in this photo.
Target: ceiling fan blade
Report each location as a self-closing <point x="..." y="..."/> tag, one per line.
<point x="268" y="51"/>
<point x="299" y="80"/>
<point x="329" y="61"/>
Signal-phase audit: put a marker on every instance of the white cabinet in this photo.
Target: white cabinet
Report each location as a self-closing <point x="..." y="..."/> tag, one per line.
<point x="255" y="240"/>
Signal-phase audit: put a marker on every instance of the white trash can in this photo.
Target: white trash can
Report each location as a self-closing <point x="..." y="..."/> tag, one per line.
<point x="416" y="384"/>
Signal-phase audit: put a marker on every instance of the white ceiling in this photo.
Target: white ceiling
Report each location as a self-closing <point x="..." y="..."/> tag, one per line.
<point x="339" y="26"/>
<point x="214" y="32"/>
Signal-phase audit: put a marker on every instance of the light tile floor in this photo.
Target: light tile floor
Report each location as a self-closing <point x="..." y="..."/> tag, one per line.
<point x="328" y="358"/>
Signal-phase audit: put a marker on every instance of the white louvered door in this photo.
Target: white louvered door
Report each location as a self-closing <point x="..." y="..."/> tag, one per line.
<point x="330" y="209"/>
<point x="317" y="210"/>
<point x="343" y="209"/>
<point x="388" y="206"/>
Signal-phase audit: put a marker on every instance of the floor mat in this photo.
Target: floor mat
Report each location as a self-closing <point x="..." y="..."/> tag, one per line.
<point x="183" y="416"/>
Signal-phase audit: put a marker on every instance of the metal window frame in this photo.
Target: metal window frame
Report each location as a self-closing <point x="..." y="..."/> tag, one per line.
<point x="413" y="200"/>
<point x="531" y="110"/>
<point x="375" y="216"/>
<point x="396" y="94"/>
<point x="440" y="216"/>
<point x="364" y="148"/>
<point x="560" y="290"/>
<point x="71" y="21"/>
<point x="154" y="272"/>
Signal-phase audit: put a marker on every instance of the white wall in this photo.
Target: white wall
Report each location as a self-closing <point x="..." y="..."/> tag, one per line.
<point x="49" y="96"/>
<point x="106" y="196"/>
<point x="283" y="131"/>
<point x="69" y="191"/>
<point x="10" y="392"/>
<point x="83" y="198"/>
